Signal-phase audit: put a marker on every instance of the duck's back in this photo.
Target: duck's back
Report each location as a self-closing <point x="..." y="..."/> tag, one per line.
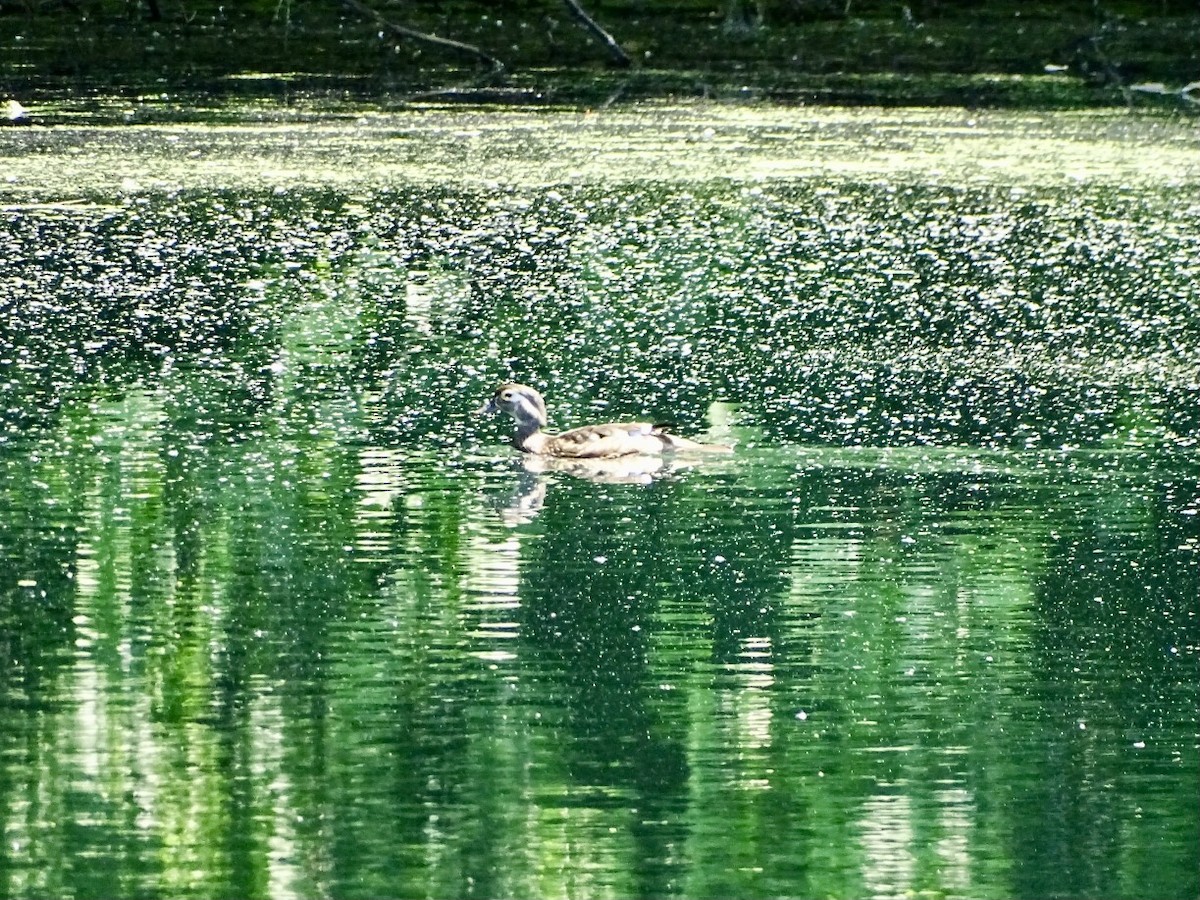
<point x="606" y="441"/>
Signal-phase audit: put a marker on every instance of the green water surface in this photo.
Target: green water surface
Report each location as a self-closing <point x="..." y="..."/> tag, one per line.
<point x="280" y="616"/>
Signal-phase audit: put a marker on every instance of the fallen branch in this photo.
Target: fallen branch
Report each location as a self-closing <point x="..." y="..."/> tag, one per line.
<point x="619" y="56"/>
<point x="1189" y="92"/>
<point x="411" y="34"/>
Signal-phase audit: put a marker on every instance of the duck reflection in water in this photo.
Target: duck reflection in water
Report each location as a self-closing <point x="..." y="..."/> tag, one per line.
<point x="527" y="496"/>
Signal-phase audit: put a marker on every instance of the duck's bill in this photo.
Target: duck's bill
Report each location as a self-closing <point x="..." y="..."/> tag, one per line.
<point x="487" y="408"/>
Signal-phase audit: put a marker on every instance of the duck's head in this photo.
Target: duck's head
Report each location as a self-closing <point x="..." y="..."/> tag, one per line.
<point x="521" y="402"/>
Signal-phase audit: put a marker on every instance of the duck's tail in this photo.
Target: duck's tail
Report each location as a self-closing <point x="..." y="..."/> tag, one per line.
<point x="677" y="444"/>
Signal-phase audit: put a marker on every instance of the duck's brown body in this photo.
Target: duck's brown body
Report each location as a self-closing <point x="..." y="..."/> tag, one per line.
<point x="607" y="441"/>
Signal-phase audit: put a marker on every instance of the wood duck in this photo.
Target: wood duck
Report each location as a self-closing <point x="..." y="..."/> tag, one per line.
<point x="607" y="441"/>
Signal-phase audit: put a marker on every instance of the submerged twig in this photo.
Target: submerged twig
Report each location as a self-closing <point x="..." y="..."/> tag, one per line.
<point x="619" y="56"/>
<point x="412" y="34"/>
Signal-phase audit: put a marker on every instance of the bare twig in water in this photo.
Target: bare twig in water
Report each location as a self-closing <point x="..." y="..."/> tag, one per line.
<point x="619" y="56"/>
<point x="412" y="34"/>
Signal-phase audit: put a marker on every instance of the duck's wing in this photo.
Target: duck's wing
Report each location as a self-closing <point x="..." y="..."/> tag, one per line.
<point x="606" y="441"/>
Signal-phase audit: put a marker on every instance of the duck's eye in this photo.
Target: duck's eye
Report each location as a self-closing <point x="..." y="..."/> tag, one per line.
<point x="507" y="395"/>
